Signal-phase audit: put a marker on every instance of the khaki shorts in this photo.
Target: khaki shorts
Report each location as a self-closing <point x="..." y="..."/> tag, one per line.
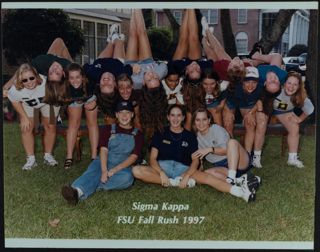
<point x="44" y="110"/>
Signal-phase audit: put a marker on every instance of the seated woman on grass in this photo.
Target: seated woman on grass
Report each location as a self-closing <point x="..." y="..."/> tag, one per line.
<point x="293" y="94"/>
<point x="174" y="160"/>
<point x="120" y="146"/>
<point x="26" y="96"/>
<point x="228" y="160"/>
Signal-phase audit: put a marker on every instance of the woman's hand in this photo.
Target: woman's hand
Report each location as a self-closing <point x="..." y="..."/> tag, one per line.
<point x="136" y="68"/>
<point x="294" y="118"/>
<point x="164" y="179"/>
<point x="184" y="181"/>
<point x="104" y="176"/>
<point x="201" y="153"/>
<point x="250" y="119"/>
<point x="112" y="171"/>
<point x="25" y="123"/>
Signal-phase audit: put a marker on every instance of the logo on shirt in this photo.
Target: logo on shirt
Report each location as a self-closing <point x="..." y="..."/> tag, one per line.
<point x="166" y="141"/>
<point x="97" y="66"/>
<point x="184" y="144"/>
<point x="282" y="106"/>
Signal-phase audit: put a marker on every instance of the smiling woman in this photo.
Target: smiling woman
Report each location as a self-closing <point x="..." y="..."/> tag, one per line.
<point x="26" y="97"/>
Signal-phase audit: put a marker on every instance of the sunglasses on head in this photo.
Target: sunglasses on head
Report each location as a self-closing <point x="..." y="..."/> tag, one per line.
<point x="30" y="79"/>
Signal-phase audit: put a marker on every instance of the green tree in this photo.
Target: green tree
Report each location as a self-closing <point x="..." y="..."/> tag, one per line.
<point x="297" y="49"/>
<point x="29" y="32"/>
<point x="161" y="43"/>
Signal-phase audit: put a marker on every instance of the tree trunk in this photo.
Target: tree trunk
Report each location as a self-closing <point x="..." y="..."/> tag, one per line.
<point x="174" y="25"/>
<point x="312" y="59"/>
<point x="275" y="32"/>
<point x="227" y="33"/>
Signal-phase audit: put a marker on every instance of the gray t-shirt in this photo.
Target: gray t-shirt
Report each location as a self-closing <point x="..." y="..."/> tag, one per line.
<point x="283" y="103"/>
<point x="216" y="137"/>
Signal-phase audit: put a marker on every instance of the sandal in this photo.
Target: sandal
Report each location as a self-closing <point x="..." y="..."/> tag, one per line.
<point x="67" y="163"/>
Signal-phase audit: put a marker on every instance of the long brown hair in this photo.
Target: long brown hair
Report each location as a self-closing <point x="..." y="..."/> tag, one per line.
<point x="56" y="93"/>
<point x="208" y="73"/>
<point x="153" y="108"/>
<point x="76" y="67"/>
<point x="298" y="98"/>
<point x="18" y="75"/>
<point x="194" y="115"/>
<point x="193" y="95"/>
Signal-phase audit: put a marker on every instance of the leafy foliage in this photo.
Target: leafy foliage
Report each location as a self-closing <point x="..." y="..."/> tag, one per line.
<point x="161" y="43"/>
<point x="30" y="32"/>
<point x="297" y="49"/>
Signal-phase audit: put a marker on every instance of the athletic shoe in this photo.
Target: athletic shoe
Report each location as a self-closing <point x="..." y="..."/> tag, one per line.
<point x="211" y="29"/>
<point x="256" y="161"/>
<point x="114" y="29"/>
<point x="295" y="162"/>
<point x="204" y="25"/>
<point x="231" y="181"/>
<point x="176" y="182"/>
<point x="70" y="194"/>
<point x="247" y="195"/>
<point x="253" y="182"/>
<point x="49" y="160"/>
<point x="122" y="37"/>
<point x="31" y="162"/>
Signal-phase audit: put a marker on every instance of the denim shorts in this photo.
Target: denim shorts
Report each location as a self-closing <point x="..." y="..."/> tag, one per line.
<point x="80" y="104"/>
<point x="280" y="112"/>
<point x="172" y="168"/>
<point x="224" y="163"/>
<point x="139" y="62"/>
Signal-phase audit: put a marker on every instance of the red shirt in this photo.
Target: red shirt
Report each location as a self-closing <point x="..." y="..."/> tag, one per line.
<point x="221" y="67"/>
<point x="105" y="134"/>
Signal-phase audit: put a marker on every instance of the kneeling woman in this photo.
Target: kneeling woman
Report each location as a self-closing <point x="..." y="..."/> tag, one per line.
<point x="228" y="159"/>
<point x="120" y="145"/>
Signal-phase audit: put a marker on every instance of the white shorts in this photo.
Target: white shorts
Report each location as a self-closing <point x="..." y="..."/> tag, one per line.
<point x="44" y="110"/>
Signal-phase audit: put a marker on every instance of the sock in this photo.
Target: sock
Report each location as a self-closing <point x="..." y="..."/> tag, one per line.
<point x="257" y="152"/>
<point x="232" y="174"/>
<point x="31" y="157"/>
<point x="292" y="155"/>
<point x="236" y="191"/>
<point x="47" y="154"/>
<point x="80" y="192"/>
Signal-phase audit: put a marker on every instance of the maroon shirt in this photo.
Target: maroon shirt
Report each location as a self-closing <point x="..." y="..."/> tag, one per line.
<point x="105" y="134"/>
<point x="221" y="67"/>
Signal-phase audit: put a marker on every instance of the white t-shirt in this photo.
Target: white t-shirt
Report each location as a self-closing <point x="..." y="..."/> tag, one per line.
<point x="216" y="137"/>
<point x="30" y="97"/>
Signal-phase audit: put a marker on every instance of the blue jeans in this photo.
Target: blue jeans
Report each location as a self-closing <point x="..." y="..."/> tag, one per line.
<point x="120" y="147"/>
<point x="172" y="168"/>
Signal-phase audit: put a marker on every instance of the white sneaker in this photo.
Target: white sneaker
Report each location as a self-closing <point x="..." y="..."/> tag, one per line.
<point x="49" y="160"/>
<point x="114" y="29"/>
<point x="247" y="195"/>
<point x="211" y="29"/>
<point x="31" y="162"/>
<point x="176" y="182"/>
<point x="204" y="25"/>
<point x="231" y="181"/>
<point x="256" y="161"/>
<point x="295" y="162"/>
<point x="122" y="37"/>
<point x="114" y="37"/>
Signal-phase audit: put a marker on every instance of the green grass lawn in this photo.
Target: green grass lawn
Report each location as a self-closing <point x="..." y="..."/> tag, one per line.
<point x="283" y="210"/>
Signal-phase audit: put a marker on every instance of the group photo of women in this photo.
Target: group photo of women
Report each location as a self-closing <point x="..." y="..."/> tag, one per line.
<point x="165" y="123"/>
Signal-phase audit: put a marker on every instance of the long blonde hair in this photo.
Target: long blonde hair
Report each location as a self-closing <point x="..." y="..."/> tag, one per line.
<point x="22" y="69"/>
<point x="298" y="98"/>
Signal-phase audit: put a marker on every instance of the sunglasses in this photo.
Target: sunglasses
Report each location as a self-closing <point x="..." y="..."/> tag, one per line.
<point x="30" y="79"/>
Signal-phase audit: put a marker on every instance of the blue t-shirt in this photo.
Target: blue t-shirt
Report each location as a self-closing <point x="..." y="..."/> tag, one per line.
<point x="246" y="100"/>
<point x="180" y="65"/>
<point x="101" y="65"/>
<point x="264" y="69"/>
<point x="172" y="146"/>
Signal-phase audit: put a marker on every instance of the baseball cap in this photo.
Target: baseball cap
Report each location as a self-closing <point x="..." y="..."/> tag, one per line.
<point x="252" y="73"/>
<point x="124" y="105"/>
